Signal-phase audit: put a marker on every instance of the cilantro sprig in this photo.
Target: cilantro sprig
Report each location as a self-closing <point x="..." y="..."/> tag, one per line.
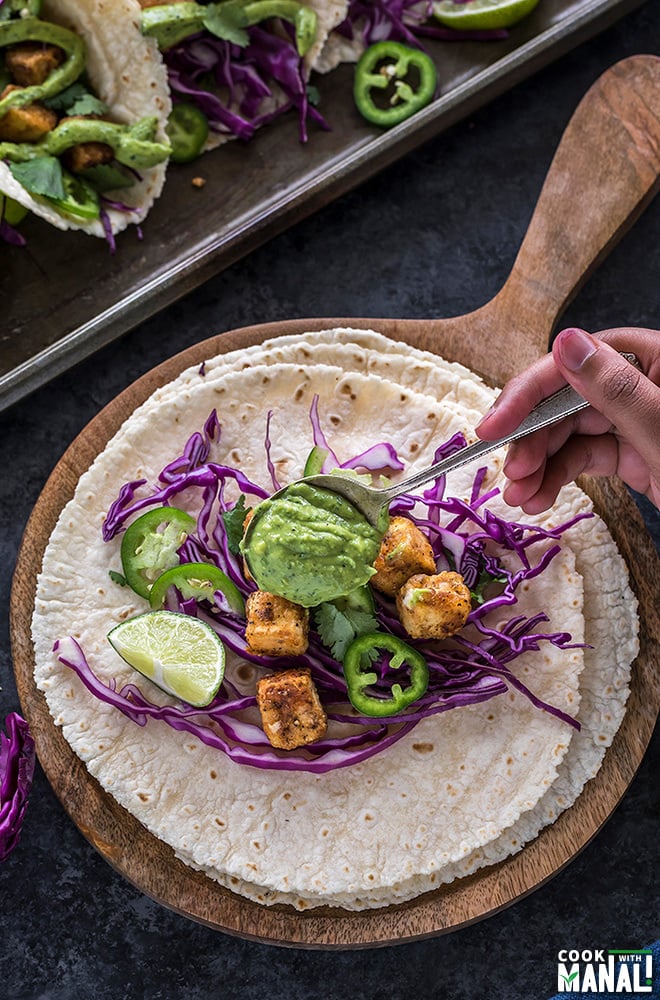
<point x="338" y="628"/>
<point x="233" y="521"/>
<point x="77" y="100"/>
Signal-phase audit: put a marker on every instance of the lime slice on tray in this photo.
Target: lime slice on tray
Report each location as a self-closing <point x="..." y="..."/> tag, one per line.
<point x="482" y="15"/>
<point x="181" y="654"/>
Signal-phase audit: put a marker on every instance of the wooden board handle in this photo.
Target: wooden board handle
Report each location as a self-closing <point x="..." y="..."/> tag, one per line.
<point x="604" y="173"/>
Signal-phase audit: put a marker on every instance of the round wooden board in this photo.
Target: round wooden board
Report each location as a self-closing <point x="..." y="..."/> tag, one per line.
<point x="151" y="865"/>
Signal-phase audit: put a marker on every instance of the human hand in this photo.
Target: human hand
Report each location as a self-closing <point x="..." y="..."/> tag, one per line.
<point x="618" y="434"/>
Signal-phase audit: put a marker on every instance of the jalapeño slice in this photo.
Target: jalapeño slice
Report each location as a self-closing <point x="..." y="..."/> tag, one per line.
<point x="187" y="129"/>
<point x="150" y="545"/>
<point x="80" y="198"/>
<point x="359" y="676"/>
<point x="198" y="580"/>
<point x="392" y="82"/>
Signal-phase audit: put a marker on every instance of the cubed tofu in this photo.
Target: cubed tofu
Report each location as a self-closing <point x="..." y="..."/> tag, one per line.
<point x="27" y="124"/>
<point x="275" y="626"/>
<point x="433" y="607"/>
<point x="84" y="155"/>
<point x="291" y="712"/>
<point x="31" y="63"/>
<point x="404" y="551"/>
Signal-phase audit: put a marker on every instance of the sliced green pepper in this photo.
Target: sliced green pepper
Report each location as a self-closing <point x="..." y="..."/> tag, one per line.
<point x="198" y="580"/>
<point x="11" y="211"/>
<point x="358" y="679"/>
<point x="392" y="82"/>
<point x="150" y="544"/>
<point x="187" y="130"/>
<point x="80" y="199"/>
<point x="315" y="461"/>
<point x="16" y="7"/>
<point x="361" y="599"/>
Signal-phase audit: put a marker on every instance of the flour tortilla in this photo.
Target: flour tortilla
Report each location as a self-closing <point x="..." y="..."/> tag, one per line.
<point x="404" y="821"/>
<point x="352" y="350"/>
<point x="126" y="71"/>
<point x="603" y="694"/>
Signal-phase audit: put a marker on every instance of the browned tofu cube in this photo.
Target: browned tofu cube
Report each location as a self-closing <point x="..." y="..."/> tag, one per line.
<point x="28" y="124"/>
<point x="84" y="155"/>
<point x="404" y="551"/>
<point x="291" y="712"/>
<point x="433" y="607"/>
<point x="275" y="626"/>
<point x="31" y="63"/>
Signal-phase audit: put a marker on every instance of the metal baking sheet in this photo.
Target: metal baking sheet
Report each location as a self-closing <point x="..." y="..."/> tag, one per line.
<point x="64" y="296"/>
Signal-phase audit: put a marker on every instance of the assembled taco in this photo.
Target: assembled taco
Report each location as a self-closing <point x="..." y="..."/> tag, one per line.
<point x="372" y="811"/>
<point x="83" y="108"/>
<point x="239" y="63"/>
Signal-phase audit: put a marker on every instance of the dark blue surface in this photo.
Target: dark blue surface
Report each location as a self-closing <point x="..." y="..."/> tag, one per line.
<point x="435" y="235"/>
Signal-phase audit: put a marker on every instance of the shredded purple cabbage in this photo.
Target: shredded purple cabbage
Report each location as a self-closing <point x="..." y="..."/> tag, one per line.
<point x="232" y="85"/>
<point x="17" y="759"/>
<point x="465" y="535"/>
<point x="403" y="21"/>
<point x="8" y="234"/>
<point x="107" y="229"/>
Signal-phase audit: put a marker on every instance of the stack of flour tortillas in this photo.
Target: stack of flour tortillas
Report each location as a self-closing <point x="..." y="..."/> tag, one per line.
<point x="466" y="788"/>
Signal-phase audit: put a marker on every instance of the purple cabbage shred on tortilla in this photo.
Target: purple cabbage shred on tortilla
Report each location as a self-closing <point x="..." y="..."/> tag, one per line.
<point x="473" y="668"/>
<point x="17" y="759"/>
<point x="240" y="89"/>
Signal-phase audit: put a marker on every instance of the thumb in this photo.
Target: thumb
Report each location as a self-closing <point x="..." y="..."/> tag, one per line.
<point x="614" y="387"/>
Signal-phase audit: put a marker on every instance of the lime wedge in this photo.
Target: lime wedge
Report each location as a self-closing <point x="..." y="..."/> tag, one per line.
<point x="482" y="15"/>
<point x="181" y="654"/>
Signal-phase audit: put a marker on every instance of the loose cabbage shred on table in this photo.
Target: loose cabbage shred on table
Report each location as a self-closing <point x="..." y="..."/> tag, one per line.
<point x="17" y="759"/>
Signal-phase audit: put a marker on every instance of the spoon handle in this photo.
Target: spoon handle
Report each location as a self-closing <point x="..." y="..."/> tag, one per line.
<point x="561" y="404"/>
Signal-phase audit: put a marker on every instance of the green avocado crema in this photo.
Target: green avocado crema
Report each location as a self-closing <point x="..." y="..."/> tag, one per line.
<point x="133" y="145"/>
<point x="171" y="23"/>
<point x="310" y="545"/>
<point x="31" y="29"/>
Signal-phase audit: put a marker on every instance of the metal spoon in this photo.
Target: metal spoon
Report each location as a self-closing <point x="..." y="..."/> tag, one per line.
<point x="372" y="502"/>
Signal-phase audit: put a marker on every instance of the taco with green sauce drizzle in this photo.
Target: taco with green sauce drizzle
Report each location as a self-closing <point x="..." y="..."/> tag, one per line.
<point x="83" y="107"/>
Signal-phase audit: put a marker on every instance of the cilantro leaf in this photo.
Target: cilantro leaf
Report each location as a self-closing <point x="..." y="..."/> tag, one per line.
<point x="43" y="176"/>
<point x="87" y="104"/>
<point x="337" y="629"/>
<point x="66" y="97"/>
<point x="313" y="95"/>
<point x="108" y="177"/>
<point x="484" y="581"/>
<point x="227" y="21"/>
<point x="233" y="522"/>
<point x="76" y="100"/>
<point x="117" y="578"/>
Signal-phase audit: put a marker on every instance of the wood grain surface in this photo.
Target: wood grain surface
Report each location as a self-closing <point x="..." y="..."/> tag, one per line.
<point x="605" y="171"/>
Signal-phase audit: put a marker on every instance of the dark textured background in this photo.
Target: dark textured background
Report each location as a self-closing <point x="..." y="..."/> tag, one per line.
<point x="435" y="235"/>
